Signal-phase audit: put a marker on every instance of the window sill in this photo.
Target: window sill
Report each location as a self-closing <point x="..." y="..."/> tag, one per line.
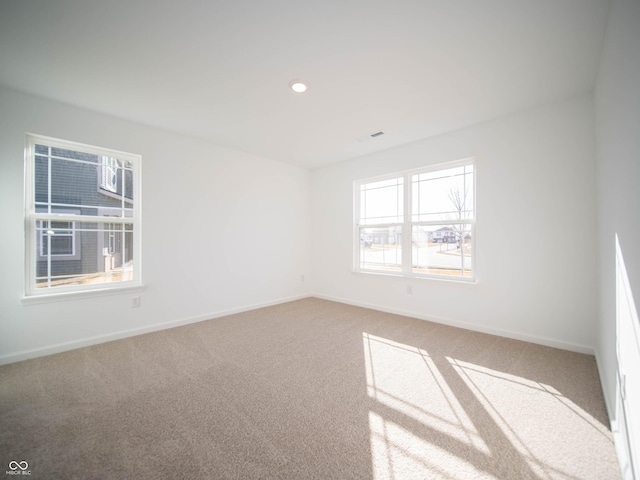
<point x="67" y="296"/>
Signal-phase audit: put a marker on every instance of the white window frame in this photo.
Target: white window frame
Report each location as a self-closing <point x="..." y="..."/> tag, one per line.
<point x="407" y="224"/>
<point x="32" y="217"/>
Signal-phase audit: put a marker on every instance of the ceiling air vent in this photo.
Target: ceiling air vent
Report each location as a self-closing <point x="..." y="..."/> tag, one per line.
<point x="367" y="138"/>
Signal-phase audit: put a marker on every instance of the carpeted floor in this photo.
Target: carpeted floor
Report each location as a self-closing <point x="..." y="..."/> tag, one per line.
<point x="308" y="389"/>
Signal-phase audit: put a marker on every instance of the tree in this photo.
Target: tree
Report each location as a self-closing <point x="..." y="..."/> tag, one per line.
<point x="458" y="200"/>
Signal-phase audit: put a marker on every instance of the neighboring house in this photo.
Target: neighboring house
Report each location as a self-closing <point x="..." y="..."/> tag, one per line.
<point x="444" y="235"/>
<point x="386" y="236"/>
<point x="85" y="184"/>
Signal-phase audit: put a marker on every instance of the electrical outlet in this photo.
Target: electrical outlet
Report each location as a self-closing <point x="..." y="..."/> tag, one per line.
<point x="135" y="302"/>
<point x="302" y="278"/>
<point x="409" y="289"/>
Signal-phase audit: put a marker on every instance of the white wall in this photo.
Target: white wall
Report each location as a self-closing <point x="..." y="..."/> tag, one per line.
<point x="535" y="229"/>
<point x="618" y="167"/>
<point x="245" y="225"/>
<point x="223" y="230"/>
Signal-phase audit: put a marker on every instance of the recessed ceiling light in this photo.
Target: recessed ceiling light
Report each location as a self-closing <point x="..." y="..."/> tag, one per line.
<point x="298" y="86"/>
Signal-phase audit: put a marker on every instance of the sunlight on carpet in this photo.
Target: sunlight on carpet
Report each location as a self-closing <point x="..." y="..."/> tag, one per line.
<point x="435" y="416"/>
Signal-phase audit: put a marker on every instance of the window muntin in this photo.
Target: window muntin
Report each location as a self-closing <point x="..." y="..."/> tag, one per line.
<point x="381" y="248"/>
<point x="446" y="250"/>
<point x="57" y="237"/>
<point x="82" y="236"/>
<point x="381" y="202"/>
<point x="424" y="230"/>
<point x="442" y="194"/>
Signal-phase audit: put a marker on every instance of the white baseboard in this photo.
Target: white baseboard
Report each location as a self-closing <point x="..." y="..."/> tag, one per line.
<point x="607" y="401"/>
<point x="63" y="347"/>
<point x="548" y="342"/>
<point x="85" y="342"/>
<point x="619" y="438"/>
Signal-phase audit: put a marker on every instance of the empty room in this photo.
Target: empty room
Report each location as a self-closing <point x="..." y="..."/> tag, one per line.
<point x="320" y="240"/>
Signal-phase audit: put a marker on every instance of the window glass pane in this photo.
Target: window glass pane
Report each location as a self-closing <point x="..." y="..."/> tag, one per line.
<point x="116" y="176"/>
<point x="443" y="195"/>
<point x="72" y="154"/>
<point x="381" y="248"/>
<point x="41" y="179"/>
<point x="57" y="237"/>
<point x="442" y="250"/>
<point x="61" y="225"/>
<point x="83" y="180"/>
<point x="102" y="253"/>
<point x="61" y="245"/>
<point x="382" y="202"/>
<point x="42" y="149"/>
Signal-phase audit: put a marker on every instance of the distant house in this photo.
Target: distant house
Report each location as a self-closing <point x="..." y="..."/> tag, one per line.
<point x="444" y="235"/>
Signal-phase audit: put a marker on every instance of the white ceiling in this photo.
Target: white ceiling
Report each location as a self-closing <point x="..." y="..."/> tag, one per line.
<point x="220" y="69"/>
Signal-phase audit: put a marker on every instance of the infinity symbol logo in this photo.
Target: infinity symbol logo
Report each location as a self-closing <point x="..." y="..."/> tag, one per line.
<point x="23" y="465"/>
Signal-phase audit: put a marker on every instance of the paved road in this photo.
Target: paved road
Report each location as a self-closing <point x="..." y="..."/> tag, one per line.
<point x="435" y="256"/>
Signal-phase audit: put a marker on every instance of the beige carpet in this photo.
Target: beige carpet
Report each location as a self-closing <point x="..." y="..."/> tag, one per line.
<point x="308" y="389"/>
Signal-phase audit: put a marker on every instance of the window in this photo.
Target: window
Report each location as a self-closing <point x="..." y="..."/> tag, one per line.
<point x="109" y="174"/>
<point x="57" y="237"/>
<point x="419" y="223"/>
<point x="82" y="218"/>
<point x="60" y="238"/>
